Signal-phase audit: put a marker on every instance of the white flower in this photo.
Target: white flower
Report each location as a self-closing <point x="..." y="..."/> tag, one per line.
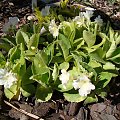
<point x="79" y="20"/>
<point x="84" y="85"/>
<point x="45" y="11"/>
<point x="42" y="30"/>
<point x="34" y="4"/>
<point x="99" y="21"/>
<point x="7" y="78"/>
<point x="88" y="14"/>
<point x="53" y="28"/>
<point x="64" y="77"/>
<point x="12" y="22"/>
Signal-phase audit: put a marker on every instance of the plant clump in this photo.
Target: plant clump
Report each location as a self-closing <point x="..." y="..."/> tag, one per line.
<point x="65" y="51"/>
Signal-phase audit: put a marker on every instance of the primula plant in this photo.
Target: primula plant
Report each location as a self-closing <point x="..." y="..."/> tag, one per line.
<point x="74" y="55"/>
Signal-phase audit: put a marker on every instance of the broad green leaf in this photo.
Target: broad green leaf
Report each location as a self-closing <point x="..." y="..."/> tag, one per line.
<point x="71" y="35"/>
<point x="64" y="48"/>
<point x="92" y="98"/>
<point x="25" y="36"/>
<point x="97" y="57"/>
<point x="105" y="78"/>
<point x="58" y="59"/>
<point x="40" y="62"/>
<point x="112" y="33"/>
<point x="19" y="38"/>
<point x="64" y="65"/>
<point x="9" y="40"/>
<point x="65" y="40"/>
<point x="55" y="72"/>
<point x="34" y="40"/>
<point x="116" y="56"/>
<point x="65" y="88"/>
<point x="2" y="60"/>
<point x="109" y="66"/>
<point x="26" y="77"/>
<point x="19" y="65"/>
<point x="43" y="94"/>
<point x="73" y="96"/>
<point x="11" y="92"/>
<point x="89" y="38"/>
<point x="61" y="18"/>
<point x="94" y="64"/>
<point x="111" y="50"/>
<point x="30" y="54"/>
<point x="14" y="53"/>
<point x="50" y="51"/>
<point x="42" y="78"/>
<point x="28" y="90"/>
<point x="95" y="47"/>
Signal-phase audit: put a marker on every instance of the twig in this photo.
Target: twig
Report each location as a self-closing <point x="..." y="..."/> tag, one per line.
<point x="22" y="111"/>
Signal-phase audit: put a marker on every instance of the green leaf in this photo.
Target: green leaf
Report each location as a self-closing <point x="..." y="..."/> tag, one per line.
<point x="105" y="78"/>
<point x="50" y="51"/>
<point x="109" y="66"/>
<point x="2" y="60"/>
<point x="11" y="92"/>
<point x="95" y="47"/>
<point x="55" y="72"/>
<point x="9" y="40"/>
<point x="64" y="48"/>
<point x="94" y="64"/>
<point x="14" y="53"/>
<point x="97" y="57"/>
<point x="91" y="99"/>
<point x="89" y="38"/>
<point x="25" y="36"/>
<point x="19" y="64"/>
<point x="116" y="56"/>
<point x="40" y="62"/>
<point x="27" y="90"/>
<point x="111" y="50"/>
<point x="43" y="94"/>
<point x="19" y="38"/>
<point x="65" y="40"/>
<point x="43" y="78"/>
<point x="73" y="96"/>
<point x="26" y="77"/>
<point x="64" y="65"/>
<point x="65" y="88"/>
<point x="34" y="40"/>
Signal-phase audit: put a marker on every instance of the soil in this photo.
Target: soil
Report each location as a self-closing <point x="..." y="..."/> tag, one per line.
<point x="58" y="108"/>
